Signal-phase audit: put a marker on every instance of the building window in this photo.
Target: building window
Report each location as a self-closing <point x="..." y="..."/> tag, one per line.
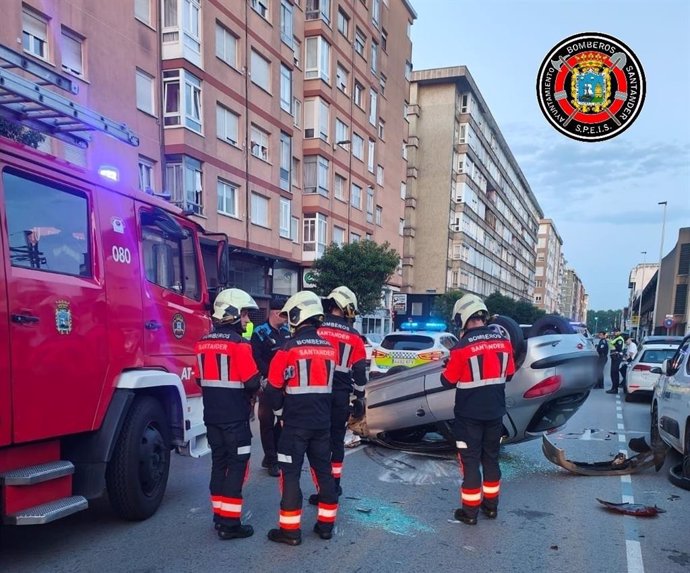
<point x="375" y="12"/>
<point x="373" y="106"/>
<point x="371" y="153"/>
<point x="355" y="237"/>
<point x="227" y="198"/>
<point x="296" y="52"/>
<point x="144" y="88"/>
<point x="356" y="196"/>
<point x="343" y="23"/>
<point x="285" y="160"/>
<point x="318" y="59"/>
<point x="358" y="94"/>
<point x="296" y="113"/>
<point x="374" y="57"/>
<point x="72" y="53"/>
<point x="261" y="71"/>
<point x="317" y="171"/>
<point x="403" y="190"/>
<point x="401" y="226"/>
<point x="342" y="133"/>
<point x="285" y="88"/>
<point x="286" y="22"/>
<point x="142" y="11"/>
<point x="379" y="175"/>
<point x="379" y="215"/>
<point x="338" y="235"/>
<point x="285" y="217"/>
<point x="259" y="210"/>
<point x="184" y="180"/>
<point x="190" y="10"/>
<point x="340" y="186"/>
<point x="188" y="100"/>
<point x="146" y="180"/>
<point x="34" y="33"/>
<point x="227" y="125"/>
<point x="381" y="129"/>
<point x="294" y="229"/>
<point x="382" y="83"/>
<point x="370" y="204"/>
<point x="358" y="147"/>
<point x="360" y="42"/>
<point x="314" y="234"/>
<point x="226" y="45"/>
<point x="317" y="118"/>
<point x="296" y="171"/>
<point x="342" y="77"/>
<point x="259" y="143"/>
<point x="318" y="9"/>
<point x="260" y="7"/>
<point x="408" y="70"/>
<point x="384" y="40"/>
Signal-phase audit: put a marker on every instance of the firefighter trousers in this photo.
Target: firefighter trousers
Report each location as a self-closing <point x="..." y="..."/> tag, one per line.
<point x="479" y="442"/>
<point x="340" y="412"/>
<point x="230" y="449"/>
<point x="269" y="428"/>
<point x="294" y="444"/>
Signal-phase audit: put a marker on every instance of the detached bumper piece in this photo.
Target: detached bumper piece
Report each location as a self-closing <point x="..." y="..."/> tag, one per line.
<point x="635" y="509"/>
<point x="619" y="465"/>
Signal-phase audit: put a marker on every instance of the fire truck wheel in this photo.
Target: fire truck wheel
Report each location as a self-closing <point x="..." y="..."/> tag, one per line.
<point x="138" y="471"/>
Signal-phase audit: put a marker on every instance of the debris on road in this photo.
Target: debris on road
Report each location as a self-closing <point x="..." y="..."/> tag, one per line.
<point x="636" y="509"/>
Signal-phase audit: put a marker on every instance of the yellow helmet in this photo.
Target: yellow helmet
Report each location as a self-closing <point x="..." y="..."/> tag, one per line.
<point x="467" y="307"/>
<point x="229" y="305"/>
<point x="302" y="306"/>
<point x="345" y="299"/>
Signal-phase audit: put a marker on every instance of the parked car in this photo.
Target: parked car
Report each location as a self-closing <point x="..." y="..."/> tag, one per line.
<point x="371" y="340"/>
<point x="671" y="410"/>
<point x="409" y="408"/>
<point x="411" y="347"/>
<point x="639" y="379"/>
<point x="661" y="339"/>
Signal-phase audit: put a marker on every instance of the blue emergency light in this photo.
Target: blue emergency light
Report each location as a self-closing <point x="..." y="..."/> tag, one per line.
<point x="416" y="325"/>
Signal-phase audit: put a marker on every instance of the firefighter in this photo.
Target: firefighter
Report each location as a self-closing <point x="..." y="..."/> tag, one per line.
<point x="616" y="345"/>
<point x="300" y="380"/>
<point x="350" y="373"/>
<point x="267" y="338"/>
<point x="478" y="367"/>
<point x="228" y="377"/>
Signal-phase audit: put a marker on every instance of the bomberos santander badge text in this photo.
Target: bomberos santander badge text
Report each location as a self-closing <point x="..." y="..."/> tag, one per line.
<point x="591" y="87"/>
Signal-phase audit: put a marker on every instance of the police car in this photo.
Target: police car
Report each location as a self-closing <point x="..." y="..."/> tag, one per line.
<point x="416" y="344"/>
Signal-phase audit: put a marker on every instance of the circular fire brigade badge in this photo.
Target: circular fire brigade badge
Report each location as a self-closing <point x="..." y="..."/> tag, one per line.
<point x="591" y="87"/>
<point x="178" y="325"/>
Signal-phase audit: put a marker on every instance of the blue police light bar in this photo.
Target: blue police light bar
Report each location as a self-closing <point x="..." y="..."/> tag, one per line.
<point x="431" y="326"/>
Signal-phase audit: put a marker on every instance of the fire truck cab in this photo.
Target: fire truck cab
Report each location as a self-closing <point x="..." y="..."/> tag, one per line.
<point x="102" y="297"/>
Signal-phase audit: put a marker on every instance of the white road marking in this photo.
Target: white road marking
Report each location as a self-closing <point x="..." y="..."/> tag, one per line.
<point x="633" y="551"/>
<point x="621" y="426"/>
<point x="621" y="438"/>
<point x="619" y="416"/>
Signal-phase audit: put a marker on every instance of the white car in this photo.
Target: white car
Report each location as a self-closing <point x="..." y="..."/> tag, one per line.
<point x="371" y="341"/>
<point x="639" y="378"/>
<point x="671" y="410"/>
<point x="408" y="348"/>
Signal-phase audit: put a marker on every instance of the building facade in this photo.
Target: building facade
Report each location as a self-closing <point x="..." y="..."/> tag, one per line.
<point x="574" y="298"/>
<point x="471" y="219"/>
<point x="549" y="274"/>
<point x="279" y="123"/>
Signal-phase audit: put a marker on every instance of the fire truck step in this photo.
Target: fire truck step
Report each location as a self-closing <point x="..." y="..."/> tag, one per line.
<point x="38" y="473"/>
<point x="47" y="512"/>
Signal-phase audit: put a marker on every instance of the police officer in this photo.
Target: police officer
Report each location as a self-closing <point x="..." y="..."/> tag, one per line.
<point x="228" y="376"/>
<point x="300" y="380"/>
<point x="350" y="373"/>
<point x="267" y="338"/>
<point x="478" y="367"/>
<point x="616" y="347"/>
<point x="603" y="356"/>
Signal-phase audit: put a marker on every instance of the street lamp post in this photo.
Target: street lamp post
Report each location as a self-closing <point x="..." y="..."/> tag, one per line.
<point x="639" y="306"/>
<point x="658" y="273"/>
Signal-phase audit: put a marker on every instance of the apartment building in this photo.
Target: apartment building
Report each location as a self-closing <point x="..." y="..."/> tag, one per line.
<point x="279" y="123"/>
<point x="574" y="297"/>
<point x="471" y="219"/>
<point x="549" y="275"/>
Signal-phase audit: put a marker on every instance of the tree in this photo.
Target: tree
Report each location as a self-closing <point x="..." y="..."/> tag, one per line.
<point x="17" y="132"/>
<point x="362" y="266"/>
<point x="444" y="303"/>
<point x="606" y="320"/>
<point x="521" y="311"/>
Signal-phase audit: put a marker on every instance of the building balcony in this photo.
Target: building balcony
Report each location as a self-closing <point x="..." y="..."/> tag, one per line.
<point x="411" y="202"/>
<point x="409" y="231"/>
<point x="408" y="261"/>
<point x="413" y="172"/>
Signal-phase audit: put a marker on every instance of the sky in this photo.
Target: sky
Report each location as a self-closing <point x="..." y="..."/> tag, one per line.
<point x="603" y="197"/>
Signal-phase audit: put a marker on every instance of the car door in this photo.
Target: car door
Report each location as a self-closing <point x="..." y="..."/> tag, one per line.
<point x="674" y="400"/>
<point x="5" y="391"/>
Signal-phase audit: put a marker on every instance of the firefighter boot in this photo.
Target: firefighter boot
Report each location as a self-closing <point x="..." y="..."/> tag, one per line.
<point x="323" y="531"/>
<point x="235" y="532"/>
<point x="466" y="518"/>
<point x="490" y="512"/>
<point x="281" y="536"/>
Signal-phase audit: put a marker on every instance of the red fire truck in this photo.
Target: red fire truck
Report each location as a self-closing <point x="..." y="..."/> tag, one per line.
<point x="102" y="297"/>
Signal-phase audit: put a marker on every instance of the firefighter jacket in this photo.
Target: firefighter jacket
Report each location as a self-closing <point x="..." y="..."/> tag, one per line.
<point x="300" y="380"/>
<point x="478" y="367"/>
<point x="228" y="376"/>
<point x="616" y="344"/>
<point x="603" y="348"/>
<point x="266" y="341"/>
<point x="351" y="361"/>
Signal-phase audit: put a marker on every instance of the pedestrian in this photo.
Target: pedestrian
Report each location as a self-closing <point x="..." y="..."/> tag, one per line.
<point x="628" y="355"/>
<point x="267" y="338"/>
<point x="228" y="376"/>
<point x="616" y="352"/>
<point x="603" y="355"/>
<point x="300" y="380"/>
<point x="478" y="367"/>
<point x="350" y="373"/>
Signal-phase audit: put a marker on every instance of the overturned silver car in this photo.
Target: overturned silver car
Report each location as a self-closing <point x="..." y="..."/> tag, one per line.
<point x="409" y="409"/>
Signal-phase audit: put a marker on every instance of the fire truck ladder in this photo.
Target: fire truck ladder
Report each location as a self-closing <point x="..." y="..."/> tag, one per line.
<point x="32" y="105"/>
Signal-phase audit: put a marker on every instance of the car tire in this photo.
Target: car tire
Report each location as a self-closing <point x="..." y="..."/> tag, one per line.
<point x="551" y="324"/>
<point x="676" y="477"/>
<point x="508" y="327"/>
<point x="654" y="435"/>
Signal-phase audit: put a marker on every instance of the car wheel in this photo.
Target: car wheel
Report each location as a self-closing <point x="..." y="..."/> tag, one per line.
<point x="654" y="435"/>
<point x="676" y="477"/>
<point x="551" y="324"/>
<point x="397" y="369"/>
<point x="511" y="330"/>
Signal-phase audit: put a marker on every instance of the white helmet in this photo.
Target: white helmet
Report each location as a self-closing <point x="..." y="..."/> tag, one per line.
<point x="345" y="299"/>
<point x="467" y="307"/>
<point x="229" y="305"/>
<point x="302" y="306"/>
